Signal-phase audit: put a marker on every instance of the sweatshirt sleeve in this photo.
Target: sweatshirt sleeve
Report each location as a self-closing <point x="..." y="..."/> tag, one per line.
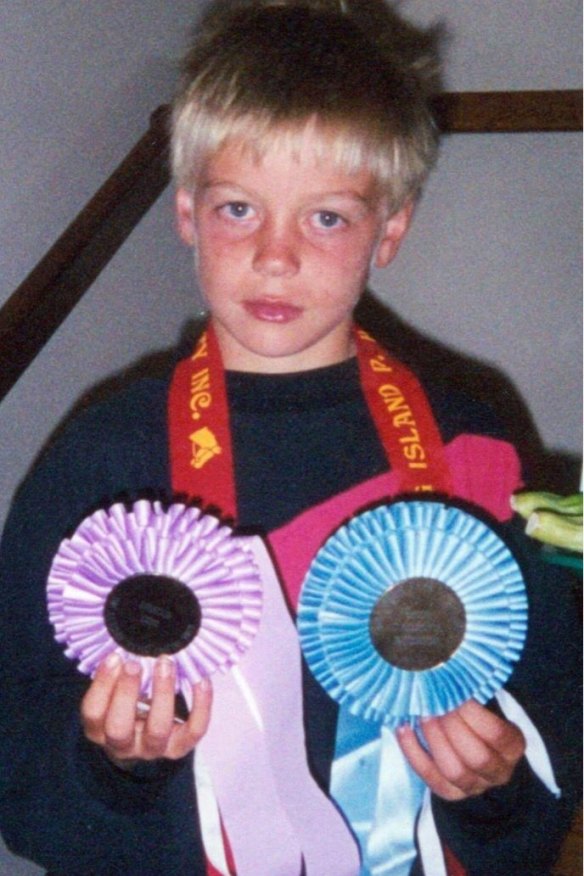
<point x="518" y="828"/>
<point x="62" y="803"/>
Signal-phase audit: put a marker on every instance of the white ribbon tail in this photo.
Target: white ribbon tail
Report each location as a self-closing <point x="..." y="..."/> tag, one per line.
<point x="535" y="752"/>
<point x="431" y="852"/>
<point x="209" y="817"/>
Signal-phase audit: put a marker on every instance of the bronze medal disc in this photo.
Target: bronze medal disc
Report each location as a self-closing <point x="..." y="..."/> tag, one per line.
<point x="417" y="624"/>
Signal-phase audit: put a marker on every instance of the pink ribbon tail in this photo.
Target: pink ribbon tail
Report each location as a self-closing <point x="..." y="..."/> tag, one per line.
<point x="274" y="813"/>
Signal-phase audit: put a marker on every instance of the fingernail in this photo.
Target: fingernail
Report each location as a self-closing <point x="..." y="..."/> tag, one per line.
<point x="204" y="684"/>
<point x="164" y="666"/>
<point x="132" y="667"/>
<point x="112" y="661"/>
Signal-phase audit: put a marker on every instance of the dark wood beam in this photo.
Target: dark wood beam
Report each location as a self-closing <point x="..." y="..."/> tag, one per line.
<point x="509" y="112"/>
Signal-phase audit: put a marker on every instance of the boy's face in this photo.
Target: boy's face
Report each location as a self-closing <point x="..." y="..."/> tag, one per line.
<point x="284" y="245"/>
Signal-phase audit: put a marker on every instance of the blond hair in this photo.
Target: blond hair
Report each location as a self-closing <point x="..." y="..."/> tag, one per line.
<point x="260" y="72"/>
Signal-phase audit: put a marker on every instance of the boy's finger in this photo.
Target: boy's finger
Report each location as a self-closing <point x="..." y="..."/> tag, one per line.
<point x="160" y="720"/>
<point x="195" y="727"/>
<point x="462" y="756"/>
<point x="449" y="753"/>
<point x="120" y="721"/>
<point x="96" y="701"/>
<point x="499" y="734"/>
<point x="423" y="764"/>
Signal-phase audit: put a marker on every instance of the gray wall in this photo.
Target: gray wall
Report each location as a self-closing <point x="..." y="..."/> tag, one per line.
<point x="492" y="265"/>
<point x="78" y="82"/>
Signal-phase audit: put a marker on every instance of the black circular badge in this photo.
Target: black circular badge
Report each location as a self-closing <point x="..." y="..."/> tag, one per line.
<point x="417" y="624"/>
<point x="149" y="615"/>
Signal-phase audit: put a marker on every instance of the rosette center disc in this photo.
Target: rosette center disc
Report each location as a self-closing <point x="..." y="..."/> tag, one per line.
<point x="151" y="615"/>
<point x="417" y="624"/>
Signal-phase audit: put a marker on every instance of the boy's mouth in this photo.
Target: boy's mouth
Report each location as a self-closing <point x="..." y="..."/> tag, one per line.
<point x="272" y="311"/>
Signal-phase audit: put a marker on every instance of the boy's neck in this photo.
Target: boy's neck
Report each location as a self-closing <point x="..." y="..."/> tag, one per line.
<point x="270" y="355"/>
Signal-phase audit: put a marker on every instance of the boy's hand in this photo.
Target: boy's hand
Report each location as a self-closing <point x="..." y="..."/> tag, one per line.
<point x="110" y="717"/>
<point x="469" y="751"/>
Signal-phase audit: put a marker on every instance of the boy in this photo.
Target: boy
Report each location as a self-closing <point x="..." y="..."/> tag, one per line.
<point x="300" y="143"/>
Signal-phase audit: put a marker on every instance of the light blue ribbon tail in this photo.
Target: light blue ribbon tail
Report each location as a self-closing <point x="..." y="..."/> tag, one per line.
<point x="379" y="794"/>
<point x="535" y="752"/>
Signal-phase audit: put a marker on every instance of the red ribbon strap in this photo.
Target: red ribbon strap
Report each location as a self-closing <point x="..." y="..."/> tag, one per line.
<point x="200" y="440"/>
<point x="201" y="457"/>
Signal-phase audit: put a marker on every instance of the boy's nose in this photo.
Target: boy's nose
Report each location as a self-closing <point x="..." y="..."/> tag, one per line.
<point x="276" y="253"/>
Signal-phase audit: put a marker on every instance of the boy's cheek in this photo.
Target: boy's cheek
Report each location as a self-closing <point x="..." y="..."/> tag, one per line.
<point x="344" y="258"/>
<point x="217" y="235"/>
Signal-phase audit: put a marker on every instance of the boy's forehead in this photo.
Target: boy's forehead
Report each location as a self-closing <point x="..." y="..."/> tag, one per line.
<point x="310" y="147"/>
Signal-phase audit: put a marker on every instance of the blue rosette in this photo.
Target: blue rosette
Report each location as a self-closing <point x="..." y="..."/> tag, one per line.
<point x="411" y="609"/>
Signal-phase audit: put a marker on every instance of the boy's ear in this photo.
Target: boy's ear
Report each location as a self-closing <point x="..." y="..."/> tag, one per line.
<point x="394" y="231"/>
<point x="185" y="216"/>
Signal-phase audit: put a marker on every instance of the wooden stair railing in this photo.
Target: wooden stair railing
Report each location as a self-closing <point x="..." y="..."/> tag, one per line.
<point x="50" y="292"/>
<point x="45" y="298"/>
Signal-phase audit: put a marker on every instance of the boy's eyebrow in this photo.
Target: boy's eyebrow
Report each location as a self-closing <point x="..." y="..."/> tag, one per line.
<point x="365" y="199"/>
<point x="213" y="183"/>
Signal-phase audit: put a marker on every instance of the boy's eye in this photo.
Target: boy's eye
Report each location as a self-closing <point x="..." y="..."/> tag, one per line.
<point x="328" y="219"/>
<point x="236" y="210"/>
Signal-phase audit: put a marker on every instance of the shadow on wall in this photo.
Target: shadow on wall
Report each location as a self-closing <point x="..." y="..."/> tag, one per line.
<point x="438" y="363"/>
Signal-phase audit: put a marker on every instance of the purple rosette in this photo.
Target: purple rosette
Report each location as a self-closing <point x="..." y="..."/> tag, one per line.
<point x="149" y="580"/>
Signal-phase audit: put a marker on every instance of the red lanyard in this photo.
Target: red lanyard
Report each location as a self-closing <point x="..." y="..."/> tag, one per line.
<point x="201" y="458"/>
<point x="200" y="439"/>
<point x="403" y="418"/>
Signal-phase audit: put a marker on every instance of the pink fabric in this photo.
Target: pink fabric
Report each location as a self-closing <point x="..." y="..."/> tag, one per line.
<point x="484" y="472"/>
